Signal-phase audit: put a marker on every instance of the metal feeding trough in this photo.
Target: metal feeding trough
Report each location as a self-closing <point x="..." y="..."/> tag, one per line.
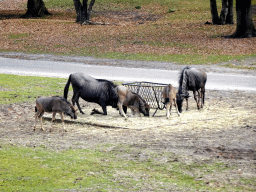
<point x="150" y="92"/>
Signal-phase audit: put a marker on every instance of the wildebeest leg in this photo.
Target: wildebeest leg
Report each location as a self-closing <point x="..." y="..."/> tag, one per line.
<point x="125" y="109"/>
<point x="202" y="95"/>
<point x="104" y="108"/>
<point x="75" y="99"/>
<point x="197" y="98"/>
<point x="62" y="119"/>
<point x="39" y="115"/>
<point x="121" y="110"/>
<point x="168" y="109"/>
<point x="175" y="104"/>
<point x="200" y="99"/>
<point x="187" y="103"/>
<point x="53" y="118"/>
<point x="36" y="117"/>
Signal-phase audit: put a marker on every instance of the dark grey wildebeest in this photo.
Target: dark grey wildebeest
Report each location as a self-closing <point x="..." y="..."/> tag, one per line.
<point x="169" y="95"/>
<point x="54" y="104"/>
<point x="132" y="100"/>
<point x="100" y="91"/>
<point x="191" y="79"/>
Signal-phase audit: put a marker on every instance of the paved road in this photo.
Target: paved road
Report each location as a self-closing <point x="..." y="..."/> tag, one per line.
<point x="217" y="81"/>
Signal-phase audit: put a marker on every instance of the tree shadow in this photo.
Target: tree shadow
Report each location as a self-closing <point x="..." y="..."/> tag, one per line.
<point x="11" y="14"/>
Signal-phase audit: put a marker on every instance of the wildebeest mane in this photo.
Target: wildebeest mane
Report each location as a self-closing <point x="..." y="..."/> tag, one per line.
<point x="182" y="74"/>
<point x="107" y="81"/>
<point x="181" y="79"/>
<point x="110" y="93"/>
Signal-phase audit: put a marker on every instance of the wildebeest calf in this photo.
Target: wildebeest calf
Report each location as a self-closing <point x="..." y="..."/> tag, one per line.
<point x="169" y="95"/>
<point x="54" y="104"/>
<point x="131" y="100"/>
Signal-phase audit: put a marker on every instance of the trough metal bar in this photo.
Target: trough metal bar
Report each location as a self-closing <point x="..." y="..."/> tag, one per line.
<point x="138" y="89"/>
<point x="154" y="112"/>
<point x="157" y="100"/>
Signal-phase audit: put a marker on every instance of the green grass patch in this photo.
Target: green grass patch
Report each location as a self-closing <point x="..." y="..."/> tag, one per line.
<point x="252" y="67"/>
<point x="63" y="4"/>
<point x="178" y="58"/>
<point x="39" y="169"/>
<point x="15" y="88"/>
<point x="18" y="35"/>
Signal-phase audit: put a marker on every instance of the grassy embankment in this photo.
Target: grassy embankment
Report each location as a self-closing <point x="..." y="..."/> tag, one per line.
<point x="156" y="31"/>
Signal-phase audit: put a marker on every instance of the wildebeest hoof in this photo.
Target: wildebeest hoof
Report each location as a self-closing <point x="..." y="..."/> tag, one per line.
<point x="95" y="111"/>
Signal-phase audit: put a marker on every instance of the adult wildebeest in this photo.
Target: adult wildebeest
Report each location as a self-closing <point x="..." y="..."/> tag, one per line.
<point x="131" y="100"/>
<point x="53" y="105"/>
<point x="191" y="79"/>
<point x="169" y="95"/>
<point x="100" y="91"/>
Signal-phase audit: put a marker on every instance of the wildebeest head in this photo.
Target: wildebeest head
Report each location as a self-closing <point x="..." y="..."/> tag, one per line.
<point x="144" y="107"/>
<point x="179" y="100"/>
<point x="71" y="112"/>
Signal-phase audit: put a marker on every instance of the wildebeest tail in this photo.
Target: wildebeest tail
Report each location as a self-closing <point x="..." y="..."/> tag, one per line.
<point x="67" y="87"/>
<point x="35" y="109"/>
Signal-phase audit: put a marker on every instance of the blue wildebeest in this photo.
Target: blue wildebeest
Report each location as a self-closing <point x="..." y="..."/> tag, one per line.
<point x="169" y="95"/>
<point x="54" y="104"/>
<point x="132" y="100"/>
<point x="100" y="91"/>
<point x="191" y="79"/>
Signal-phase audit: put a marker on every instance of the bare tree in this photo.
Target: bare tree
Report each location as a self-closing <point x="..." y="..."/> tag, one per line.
<point x="83" y="11"/>
<point x="226" y="15"/>
<point x="36" y="8"/>
<point x="245" y="27"/>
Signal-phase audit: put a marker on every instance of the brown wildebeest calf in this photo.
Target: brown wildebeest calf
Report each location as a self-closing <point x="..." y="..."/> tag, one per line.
<point x="131" y="100"/>
<point x="54" y="104"/>
<point x="169" y="95"/>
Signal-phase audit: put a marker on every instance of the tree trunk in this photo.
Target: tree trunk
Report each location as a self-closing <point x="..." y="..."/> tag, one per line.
<point x="36" y="8"/>
<point x="229" y="17"/>
<point x="214" y="12"/>
<point x="224" y="12"/>
<point x="226" y="15"/>
<point x="83" y="13"/>
<point x="245" y="27"/>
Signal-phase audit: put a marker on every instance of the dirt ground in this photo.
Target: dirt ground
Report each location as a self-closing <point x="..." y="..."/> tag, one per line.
<point x="224" y="130"/>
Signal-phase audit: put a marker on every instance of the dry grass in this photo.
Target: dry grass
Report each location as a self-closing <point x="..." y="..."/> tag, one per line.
<point x="218" y="114"/>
